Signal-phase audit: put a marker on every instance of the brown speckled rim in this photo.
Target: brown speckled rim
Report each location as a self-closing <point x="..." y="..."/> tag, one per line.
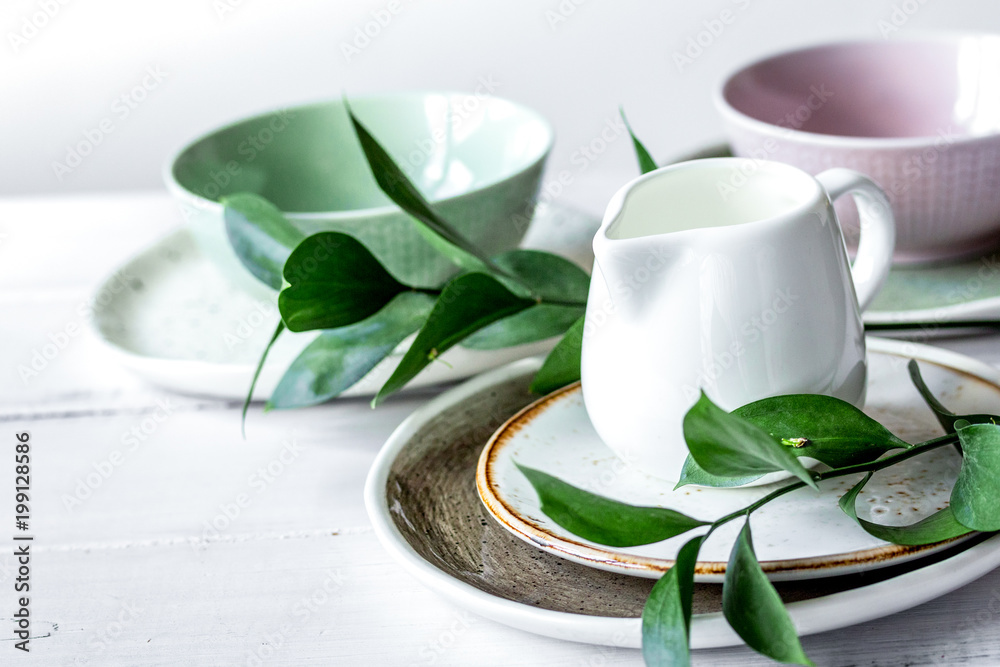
<point x="705" y="571"/>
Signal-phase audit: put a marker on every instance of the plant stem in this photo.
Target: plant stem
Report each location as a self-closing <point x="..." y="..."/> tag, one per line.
<point x="873" y="466"/>
<point x="436" y="292"/>
<point x="573" y="304"/>
<point x="932" y="326"/>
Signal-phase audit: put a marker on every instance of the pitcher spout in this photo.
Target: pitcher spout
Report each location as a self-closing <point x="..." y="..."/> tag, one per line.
<point x="633" y="270"/>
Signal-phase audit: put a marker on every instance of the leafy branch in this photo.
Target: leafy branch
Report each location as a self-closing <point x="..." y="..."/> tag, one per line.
<point x="759" y="438"/>
<point x="333" y="283"/>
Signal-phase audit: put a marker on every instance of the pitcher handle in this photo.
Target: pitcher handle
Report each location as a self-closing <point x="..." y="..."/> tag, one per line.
<point x="878" y="230"/>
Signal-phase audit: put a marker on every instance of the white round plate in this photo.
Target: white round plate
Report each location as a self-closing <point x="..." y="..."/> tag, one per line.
<point x="172" y="318"/>
<point x="820" y="614"/>
<point x="801" y="535"/>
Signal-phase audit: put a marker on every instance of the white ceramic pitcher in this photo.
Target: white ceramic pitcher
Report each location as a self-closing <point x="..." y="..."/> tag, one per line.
<point x="730" y="276"/>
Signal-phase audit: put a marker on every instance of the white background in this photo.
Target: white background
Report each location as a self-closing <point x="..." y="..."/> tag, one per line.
<point x="228" y="58"/>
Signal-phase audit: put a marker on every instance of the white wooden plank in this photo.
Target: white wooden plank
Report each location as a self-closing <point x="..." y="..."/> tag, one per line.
<point x="317" y="600"/>
<point x="233" y="602"/>
<point x="129" y="478"/>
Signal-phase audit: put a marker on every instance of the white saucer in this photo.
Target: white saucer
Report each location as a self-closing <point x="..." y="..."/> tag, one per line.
<point x="429" y="555"/>
<point x="172" y="318"/>
<point x="802" y="535"/>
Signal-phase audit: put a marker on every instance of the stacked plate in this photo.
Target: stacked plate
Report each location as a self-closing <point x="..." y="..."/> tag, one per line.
<point x="447" y="501"/>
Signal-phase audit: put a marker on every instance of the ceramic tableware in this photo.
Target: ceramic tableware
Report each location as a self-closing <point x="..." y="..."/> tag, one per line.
<point x="421" y="498"/>
<point x="728" y="276"/>
<point x="920" y="116"/>
<point x="173" y="318"/>
<point x="477" y="158"/>
<point x="799" y="536"/>
<point x="936" y="296"/>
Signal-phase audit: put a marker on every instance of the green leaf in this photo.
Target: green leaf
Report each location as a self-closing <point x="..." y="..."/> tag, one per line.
<point x="727" y="445"/>
<point x="603" y="520"/>
<point x="753" y="608"/>
<point x="562" y="365"/>
<point x="559" y="283"/>
<point x="339" y="358"/>
<point x="946" y="418"/>
<point x="533" y="324"/>
<point x="692" y="473"/>
<point x="333" y="281"/>
<point x="467" y="303"/>
<point x="826" y="428"/>
<point x="646" y="162"/>
<point x="822" y="427"/>
<point x="394" y="183"/>
<point x="938" y="527"/>
<point x="260" y="235"/>
<point x="666" y="617"/>
<point x="974" y="499"/>
<point x="551" y="278"/>
<point x="256" y="376"/>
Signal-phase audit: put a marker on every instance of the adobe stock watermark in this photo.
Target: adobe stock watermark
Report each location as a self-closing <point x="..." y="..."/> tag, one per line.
<point x="900" y="15"/>
<point x="249" y="149"/>
<point x="562" y="12"/>
<point x="457" y="114"/>
<point x="972" y="627"/>
<point x="915" y="166"/>
<point x="224" y="8"/>
<point x="621" y="288"/>
<point x="582" y="158"/>
<point x="432" y="651"/>
<point x="131" y="440"/>
<point x="739" y="176"/>
<point x="302" y="610"/>
<point x="621" y="462"/>
<point x="57" y="341"/>
<point x="706" y="37"/>
<point x="262" y="313"/>
<point x="970" y="289"/>
<point x="603" y="655"/>
<point x="749" y="334"/>
<point x="100" y="640"/>
<point x="258" y="482"/>
<point x="365" y="34"/>
<point x="121" y="108"/>
<point x="33" y="24"/>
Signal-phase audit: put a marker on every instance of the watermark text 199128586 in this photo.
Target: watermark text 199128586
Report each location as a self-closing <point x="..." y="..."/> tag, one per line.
<point x="22" y="542"/>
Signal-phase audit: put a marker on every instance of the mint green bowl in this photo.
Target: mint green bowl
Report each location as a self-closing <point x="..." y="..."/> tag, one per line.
<point x="478" y="159"/>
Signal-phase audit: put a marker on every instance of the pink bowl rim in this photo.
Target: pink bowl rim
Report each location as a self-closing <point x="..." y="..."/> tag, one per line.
<point x="736" y="117"/>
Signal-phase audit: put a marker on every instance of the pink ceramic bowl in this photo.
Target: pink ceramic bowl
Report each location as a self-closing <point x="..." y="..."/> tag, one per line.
<point x="921" y="117"/>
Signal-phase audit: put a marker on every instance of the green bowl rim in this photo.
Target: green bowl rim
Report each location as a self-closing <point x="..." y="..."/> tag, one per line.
<point x="181" y="192"/>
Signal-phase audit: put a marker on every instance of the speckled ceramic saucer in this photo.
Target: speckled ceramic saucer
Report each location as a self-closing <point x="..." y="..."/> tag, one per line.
<point x="422" y="501"/>
<point x="801" y="535"/>
<point x="171" y="317"/>
<point x="954" y="291"/>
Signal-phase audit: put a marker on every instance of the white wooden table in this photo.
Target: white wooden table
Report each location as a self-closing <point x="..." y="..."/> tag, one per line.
<point x="127" y="568"/>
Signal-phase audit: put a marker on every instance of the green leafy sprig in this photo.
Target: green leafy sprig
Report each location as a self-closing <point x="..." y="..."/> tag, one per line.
<point x="727" y="449"/>
<point x="331" y="282"/>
